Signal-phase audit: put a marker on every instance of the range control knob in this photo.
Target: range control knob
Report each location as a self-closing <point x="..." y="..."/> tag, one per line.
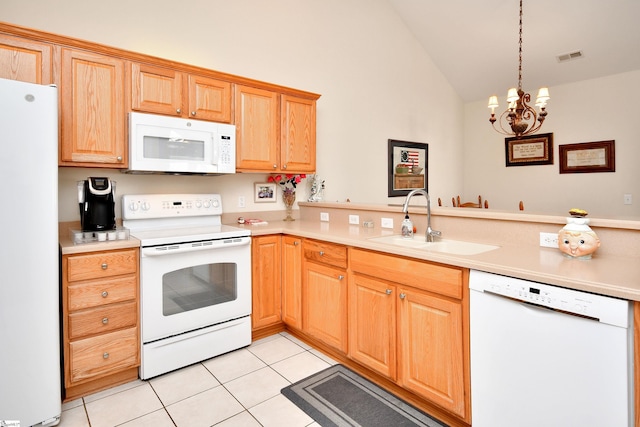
<point x="145" y="206"/>
<point x="215" y="203"/>
<point x="133" y="206"/>
<point x="207" y="204"/>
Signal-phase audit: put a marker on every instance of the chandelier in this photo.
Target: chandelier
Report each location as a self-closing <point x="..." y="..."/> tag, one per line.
<point x="519" y="118"/>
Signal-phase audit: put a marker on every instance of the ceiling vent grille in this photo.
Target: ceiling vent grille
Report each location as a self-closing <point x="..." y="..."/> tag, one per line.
<point x="570" y="56"/>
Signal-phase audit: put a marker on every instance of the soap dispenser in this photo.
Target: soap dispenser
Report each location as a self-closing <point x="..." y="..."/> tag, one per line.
<point x="407" y="227"/>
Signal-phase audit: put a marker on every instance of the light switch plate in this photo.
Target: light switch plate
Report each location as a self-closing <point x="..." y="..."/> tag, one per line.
<point x="549" y="240"/>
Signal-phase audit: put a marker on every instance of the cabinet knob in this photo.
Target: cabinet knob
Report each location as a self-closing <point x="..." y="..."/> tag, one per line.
<point x="284" y="166"/>
<point x="388" y="292"/>
<point x="193" y="113"/>
<point x="321" y="253"/>
<point x="104" y="265"/>
<point x="119" y="158"/>
<point x="340" y="277"/>
<point x="296" y="243"/>
<point x="403" y="296"/>
<point x="275" y="166"/>
<point x="179" y="111"/>
<point x="105" y="320"/>
<point x="105" y="355"/>
<point x="105" y="294"/>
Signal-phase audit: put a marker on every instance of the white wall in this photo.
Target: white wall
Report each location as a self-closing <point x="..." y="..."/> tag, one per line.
<point x="375" y="80"/>
<point x="587" y="111"/>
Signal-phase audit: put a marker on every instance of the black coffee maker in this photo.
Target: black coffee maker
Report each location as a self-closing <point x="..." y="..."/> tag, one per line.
<point x="96" y="198"/>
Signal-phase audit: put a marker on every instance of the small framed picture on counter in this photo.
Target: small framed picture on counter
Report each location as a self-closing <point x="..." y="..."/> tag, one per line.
<point x="265" y="192"/>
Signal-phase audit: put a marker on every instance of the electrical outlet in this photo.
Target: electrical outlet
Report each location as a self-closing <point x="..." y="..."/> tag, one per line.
<point x="324" y="216"/>
<point x="386" y="222"/>
<point x="549" y="240"/>
<point x="354" y="219"/>
<point x="241" y="201"/>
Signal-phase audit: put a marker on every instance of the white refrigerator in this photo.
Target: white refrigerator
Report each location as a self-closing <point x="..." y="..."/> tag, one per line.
<point x="29" y="286"/>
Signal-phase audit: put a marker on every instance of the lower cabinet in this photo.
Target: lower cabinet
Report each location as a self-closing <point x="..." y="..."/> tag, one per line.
<point x="408" y="322"/>
<point x="265" y="278"/>
<point x="292" y="281"/>
<point x="324" y="293"/>
<point x="100" y="322"/>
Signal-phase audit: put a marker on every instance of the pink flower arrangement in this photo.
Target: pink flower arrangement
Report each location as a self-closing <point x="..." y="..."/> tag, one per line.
<point x="287" y="180"/>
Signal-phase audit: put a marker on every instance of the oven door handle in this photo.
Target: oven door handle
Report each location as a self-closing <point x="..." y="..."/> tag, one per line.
<point x="208" y="245"/>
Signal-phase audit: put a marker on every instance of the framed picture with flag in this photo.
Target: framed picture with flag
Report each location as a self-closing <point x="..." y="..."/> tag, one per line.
<point x="407" y="167"/>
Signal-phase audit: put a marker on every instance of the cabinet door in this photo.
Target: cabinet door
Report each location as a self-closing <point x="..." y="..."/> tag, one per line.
<point x="324" y="302"/>
<point x="25" y="60"/>
<point x="298" y="134"/>
<point x="93" y="115"/>
<point x="156" y="90"/>
<point x="372" y="320"/>
<point x="292" y="281"/>
<point x="431" y="348"/>
<point x="209" y="99"/>
<point x="257" y="129"/>
<point x="265" y="281"/>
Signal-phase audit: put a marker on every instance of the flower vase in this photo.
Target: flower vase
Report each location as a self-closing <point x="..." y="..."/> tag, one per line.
<point x="289" y="198"/>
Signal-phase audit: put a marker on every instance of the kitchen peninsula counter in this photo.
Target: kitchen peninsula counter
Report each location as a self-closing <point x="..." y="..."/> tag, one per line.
<point x="614" y="269"/>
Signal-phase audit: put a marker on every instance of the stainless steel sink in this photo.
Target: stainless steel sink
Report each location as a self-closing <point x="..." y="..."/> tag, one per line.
<point x="455" y="247"/>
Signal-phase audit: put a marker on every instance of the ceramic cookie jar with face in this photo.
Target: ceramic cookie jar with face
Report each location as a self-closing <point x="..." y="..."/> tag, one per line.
<point x="577" y="239"/>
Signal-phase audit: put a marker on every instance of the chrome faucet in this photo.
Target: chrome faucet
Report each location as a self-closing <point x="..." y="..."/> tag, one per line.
<point x="429" y="234"/>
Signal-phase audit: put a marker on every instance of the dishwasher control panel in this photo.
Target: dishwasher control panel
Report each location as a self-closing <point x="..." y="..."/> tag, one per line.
<point x="598" y="307"/>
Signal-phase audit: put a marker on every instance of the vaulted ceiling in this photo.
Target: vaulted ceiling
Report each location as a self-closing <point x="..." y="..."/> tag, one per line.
<point x="475" y="43"/>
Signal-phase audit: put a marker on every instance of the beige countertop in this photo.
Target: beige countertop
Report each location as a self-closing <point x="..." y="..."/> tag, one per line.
<point x="616" y="276"/>
<point x="614" y="269"/>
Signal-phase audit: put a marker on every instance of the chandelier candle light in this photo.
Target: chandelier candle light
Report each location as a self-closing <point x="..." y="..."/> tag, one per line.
<point x="288" y="184"/>
<point x="520" y="117"/>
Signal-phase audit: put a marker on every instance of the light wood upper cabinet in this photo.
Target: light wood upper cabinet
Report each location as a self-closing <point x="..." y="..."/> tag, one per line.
<point x="257" y="129"/>
<point x="93" y="121"/>
<point x="292" y="281"/>
<point x="156" y="90"/>
<point x="209" y="99"/>
<point x="161" y="90"/>
<point x="25" y="60"/>
<point x="298" y="134"/>
<point x="266" y="289"/>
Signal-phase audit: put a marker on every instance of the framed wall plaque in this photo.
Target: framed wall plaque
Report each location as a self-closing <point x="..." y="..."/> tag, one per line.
<point x="408" y="167"/>
<point x="529" y="150"/>
<point x="588" y="157"/>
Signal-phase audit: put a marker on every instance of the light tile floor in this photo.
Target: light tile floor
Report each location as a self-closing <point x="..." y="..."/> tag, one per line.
<point x="238" y="389"/>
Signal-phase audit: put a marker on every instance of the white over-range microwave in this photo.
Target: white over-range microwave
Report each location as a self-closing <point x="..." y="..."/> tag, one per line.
<point x="175" y="145"/>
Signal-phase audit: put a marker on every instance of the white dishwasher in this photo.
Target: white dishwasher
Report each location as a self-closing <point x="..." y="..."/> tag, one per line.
<point x="547" y="356"/>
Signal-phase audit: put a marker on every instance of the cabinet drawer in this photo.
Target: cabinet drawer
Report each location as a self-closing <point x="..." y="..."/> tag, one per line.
<point x="411" y="272"/>
<point x="325" y="253"/>
<point x="102" y="320"/>
<point x="101" y="292"/>
<point x="102" y="355"/>
<point x="102" y="264"/>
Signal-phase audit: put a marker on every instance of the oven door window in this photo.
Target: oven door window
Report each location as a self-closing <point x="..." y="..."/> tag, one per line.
<point x="201" y="286"/>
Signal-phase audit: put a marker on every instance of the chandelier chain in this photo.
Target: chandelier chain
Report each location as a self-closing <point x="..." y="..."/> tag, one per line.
<point x="520" y="52"/>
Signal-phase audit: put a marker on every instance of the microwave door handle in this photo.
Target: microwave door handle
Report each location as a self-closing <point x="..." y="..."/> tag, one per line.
<point x="216" y="148"/>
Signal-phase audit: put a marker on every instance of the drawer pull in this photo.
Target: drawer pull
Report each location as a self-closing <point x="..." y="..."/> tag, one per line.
<point x="321" y="253"/>
<point x="178" y="110"/>
<point x="105" y="355"/>
<point x="340" y="277"/>
<point x="105" y="320"/>
<point x="403" y="296"/>
<point x="104" y="265"/>
<point x="105" y="294"/>
<point x="388" y="291"/>
<point x="296" y="243"/>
